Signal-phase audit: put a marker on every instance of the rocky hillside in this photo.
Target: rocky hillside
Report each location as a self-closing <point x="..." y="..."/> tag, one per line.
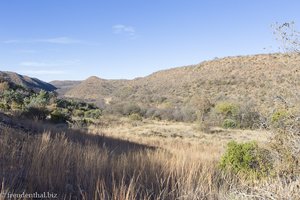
<point x="25" y="81"/>
<point x="260" y="79"/>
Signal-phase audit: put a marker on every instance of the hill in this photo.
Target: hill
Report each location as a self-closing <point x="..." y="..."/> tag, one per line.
<point x="260" y="79"/>
<point x="64" y="86"/>
<point x="94" y="88"/>
<point x="25" y="81"/>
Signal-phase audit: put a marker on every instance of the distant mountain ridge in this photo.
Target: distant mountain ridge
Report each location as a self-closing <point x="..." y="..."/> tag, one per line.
<point x="25" y="81"/>
<point x="64" y="86"/>
<point x="257" y="78"/>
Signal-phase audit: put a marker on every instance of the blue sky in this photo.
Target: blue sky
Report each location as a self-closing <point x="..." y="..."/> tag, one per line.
<point x="74" y="39"/>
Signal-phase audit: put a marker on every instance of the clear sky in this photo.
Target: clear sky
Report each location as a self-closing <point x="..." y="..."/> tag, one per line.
<point x="74" y="39"/>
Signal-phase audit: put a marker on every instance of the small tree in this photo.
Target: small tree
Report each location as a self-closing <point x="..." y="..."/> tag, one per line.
<point x="288" y="37"/>
<point x="202" y="105"/>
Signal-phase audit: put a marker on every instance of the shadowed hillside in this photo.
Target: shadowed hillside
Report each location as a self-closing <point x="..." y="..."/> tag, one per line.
<point x="64" y="86"/>
<point x="25" y="81"/>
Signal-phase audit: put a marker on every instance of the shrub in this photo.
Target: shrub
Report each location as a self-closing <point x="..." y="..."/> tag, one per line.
<point x="249" y="117"/>
<point x="188" y="114"/>
<point x="227" y="109"/>
<point x="87" y="122"/>
<point x="16" y="106"/>
<point x="279" y="115"/>
<point x="231" y="115"/>
<point x="166" y="114"/>
<point x="229" y="123"/>
<point x="202" y="105"/>
<point x="10" y="95"/>
<point x="59" y="116"/>
<point x="4" y="86"/>
<point x="78" y="113"/>
<point x="94" y="114"/>
<point x="247" y="159"/>
<point x="157" y="115"/>
<point x="63" y="103"/>
<point x="4" y="106"/>
<point x="80" y="123"/>
<point x="38" y="100"/>
<point x="129" y="109"/>
<point x="285" y="144"/>
<point x="135" y="117"/>
<point x="178" y="115"/>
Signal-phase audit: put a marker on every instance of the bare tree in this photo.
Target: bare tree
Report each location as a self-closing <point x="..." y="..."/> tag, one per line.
<point x="288" y="36"/>
<point x="287" y="140"/>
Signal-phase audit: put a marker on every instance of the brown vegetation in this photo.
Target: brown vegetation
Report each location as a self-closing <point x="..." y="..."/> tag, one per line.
<point x="36" y="157"/>
<point x="72" y="164"/>
<point x="261" y="79"/>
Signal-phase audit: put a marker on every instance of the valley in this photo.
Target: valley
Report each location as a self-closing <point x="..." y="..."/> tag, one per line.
<point x="219" y="132"/>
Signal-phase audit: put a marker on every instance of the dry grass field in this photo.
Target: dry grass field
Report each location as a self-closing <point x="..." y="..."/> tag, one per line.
<point x="157" y="133"/>
<point x="126" y="160"/>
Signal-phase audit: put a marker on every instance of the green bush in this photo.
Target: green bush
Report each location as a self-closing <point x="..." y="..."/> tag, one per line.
<point x="229" y="123"/>
<point x="88" y="122"/>
<point x="246" y="159"/>
<point x="94" y="114"/>
<point x="10" y="96"/>
<point x="279" y="115"/>
<point x="38" y="100"/>
<point x="78" y="113"/>
<point x="4" y="106"/>
<point x="63" y="103"/>
<point x="59" y="116"/>
<point x="227" y="109"/>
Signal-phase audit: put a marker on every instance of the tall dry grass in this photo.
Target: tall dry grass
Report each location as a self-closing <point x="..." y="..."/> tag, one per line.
<point x="78" y="165"/>
<point x="87" y="168"/>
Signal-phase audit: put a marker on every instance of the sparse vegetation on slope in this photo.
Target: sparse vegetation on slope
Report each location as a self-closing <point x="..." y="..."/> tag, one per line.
<point x="19" y="101"/>
<point x="244" y="78"/>
<point x="25" y="81"/>
<point x="257" y="84"/>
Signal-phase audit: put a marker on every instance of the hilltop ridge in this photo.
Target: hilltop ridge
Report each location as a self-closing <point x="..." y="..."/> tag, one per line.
<point x="25" y="81"/>
<point x="257" y="78"/>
